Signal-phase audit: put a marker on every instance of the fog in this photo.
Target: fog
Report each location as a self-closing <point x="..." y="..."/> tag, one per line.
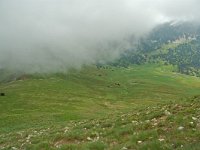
<point x="55" y="35"/>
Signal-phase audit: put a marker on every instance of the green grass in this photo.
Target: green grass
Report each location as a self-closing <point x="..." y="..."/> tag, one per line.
<point x="100" y="109"/>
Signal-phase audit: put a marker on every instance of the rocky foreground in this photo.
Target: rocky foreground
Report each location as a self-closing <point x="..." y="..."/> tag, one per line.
<point x="165" y="126"/>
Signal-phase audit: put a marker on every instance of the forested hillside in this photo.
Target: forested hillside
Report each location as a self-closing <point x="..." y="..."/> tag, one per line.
<point x="176" y="44"/>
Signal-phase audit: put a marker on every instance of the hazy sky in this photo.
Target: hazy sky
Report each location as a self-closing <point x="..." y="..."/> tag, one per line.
<point x="51" y="35"/>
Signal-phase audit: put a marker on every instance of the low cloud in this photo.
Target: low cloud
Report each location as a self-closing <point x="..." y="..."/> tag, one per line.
<point x="54" y="35"/>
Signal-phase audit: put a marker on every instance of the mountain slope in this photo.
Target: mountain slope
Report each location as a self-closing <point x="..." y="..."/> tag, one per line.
<point x="47" y="104"/>
<point x="176" y="44"/>
<point x="174" y="125"/>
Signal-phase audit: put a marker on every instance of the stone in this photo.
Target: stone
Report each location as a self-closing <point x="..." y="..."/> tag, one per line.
<point x="194" y="118"/>
<point x="180" y="128"/>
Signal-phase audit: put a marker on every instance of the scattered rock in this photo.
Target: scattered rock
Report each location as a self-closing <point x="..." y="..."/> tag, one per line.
<point x="155" y="124"/>
<point x="180" y="128"/>
<point x="135" y="122"/>
<point x="161" y="140"/>
<point x="96" y="139"/>
<point x="191" y="123"/>
<point x="139" y="142"/>
<point x="194" y="118"/>
<point x="154" y="120"/>
<point x="181" y="146"/>
<point x="89" y="138"/>
<point x="66" y="129"/>
<point x="167" y="113"/>
<point x="28" y="138"/>
<point x="124" y="148"/>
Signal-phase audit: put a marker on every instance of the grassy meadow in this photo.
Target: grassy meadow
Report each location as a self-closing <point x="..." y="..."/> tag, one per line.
<point x="139" y="107"/>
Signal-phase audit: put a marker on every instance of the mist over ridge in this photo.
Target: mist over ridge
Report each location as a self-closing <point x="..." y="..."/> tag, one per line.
<point x="54" y="35"/>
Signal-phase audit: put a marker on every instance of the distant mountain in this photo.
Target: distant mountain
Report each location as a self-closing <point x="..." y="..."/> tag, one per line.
<point x="170" y="43"/>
